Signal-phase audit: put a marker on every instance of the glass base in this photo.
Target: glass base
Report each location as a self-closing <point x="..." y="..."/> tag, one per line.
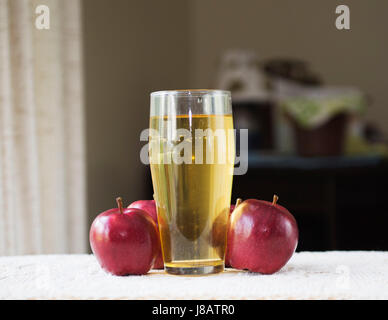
<point x="194" y="271"/>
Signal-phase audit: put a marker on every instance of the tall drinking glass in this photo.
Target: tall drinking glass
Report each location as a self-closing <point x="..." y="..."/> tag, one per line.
<point x="191" y="152"/>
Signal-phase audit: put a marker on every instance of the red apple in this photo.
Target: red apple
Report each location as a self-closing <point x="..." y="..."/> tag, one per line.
<point x="124" y="241"/>
<point x="262" y="236"/>
<point x="149" y="207"/>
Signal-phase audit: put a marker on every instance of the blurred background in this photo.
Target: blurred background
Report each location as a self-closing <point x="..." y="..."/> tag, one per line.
<point x="313" y="97"/>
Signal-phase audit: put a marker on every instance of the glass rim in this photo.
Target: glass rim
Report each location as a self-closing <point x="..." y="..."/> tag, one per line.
<point x="191" y="93"/>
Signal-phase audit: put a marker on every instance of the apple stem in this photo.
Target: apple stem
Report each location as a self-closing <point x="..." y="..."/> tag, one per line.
<point x="275" y="199"/>
<point x="238" y="201"/>
<point x="119" y="202"/>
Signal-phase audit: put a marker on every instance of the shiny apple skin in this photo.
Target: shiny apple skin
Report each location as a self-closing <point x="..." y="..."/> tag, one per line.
<point x="149" y="207"/>
<point x="124" y="243"/>
<point x="262" y="237"/>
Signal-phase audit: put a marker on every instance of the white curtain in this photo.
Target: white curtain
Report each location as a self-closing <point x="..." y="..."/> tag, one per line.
<point x="42" y="165"/>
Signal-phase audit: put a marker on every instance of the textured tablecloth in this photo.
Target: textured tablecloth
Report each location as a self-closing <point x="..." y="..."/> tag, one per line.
<point x="308" y="275"/>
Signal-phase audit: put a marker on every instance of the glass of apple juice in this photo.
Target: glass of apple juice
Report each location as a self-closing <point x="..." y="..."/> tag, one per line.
<point x="191" y="153"/>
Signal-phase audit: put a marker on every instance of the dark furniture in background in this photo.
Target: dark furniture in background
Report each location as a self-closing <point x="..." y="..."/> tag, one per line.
<point x="340" y="203"/>
<point x="257" y="117"/>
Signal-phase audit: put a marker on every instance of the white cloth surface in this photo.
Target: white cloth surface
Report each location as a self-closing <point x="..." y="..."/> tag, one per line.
<point x="308" y="275"/>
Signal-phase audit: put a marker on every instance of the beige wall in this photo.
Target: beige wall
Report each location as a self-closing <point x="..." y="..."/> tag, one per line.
<point x="301" y="29"/>
<point x="131" y="48"/>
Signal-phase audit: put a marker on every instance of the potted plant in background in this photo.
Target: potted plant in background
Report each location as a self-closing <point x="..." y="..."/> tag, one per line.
<point x="319" y="118"/>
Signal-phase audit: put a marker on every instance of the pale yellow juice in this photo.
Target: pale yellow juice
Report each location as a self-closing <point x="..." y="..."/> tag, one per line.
<point x="193" y="200"/>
